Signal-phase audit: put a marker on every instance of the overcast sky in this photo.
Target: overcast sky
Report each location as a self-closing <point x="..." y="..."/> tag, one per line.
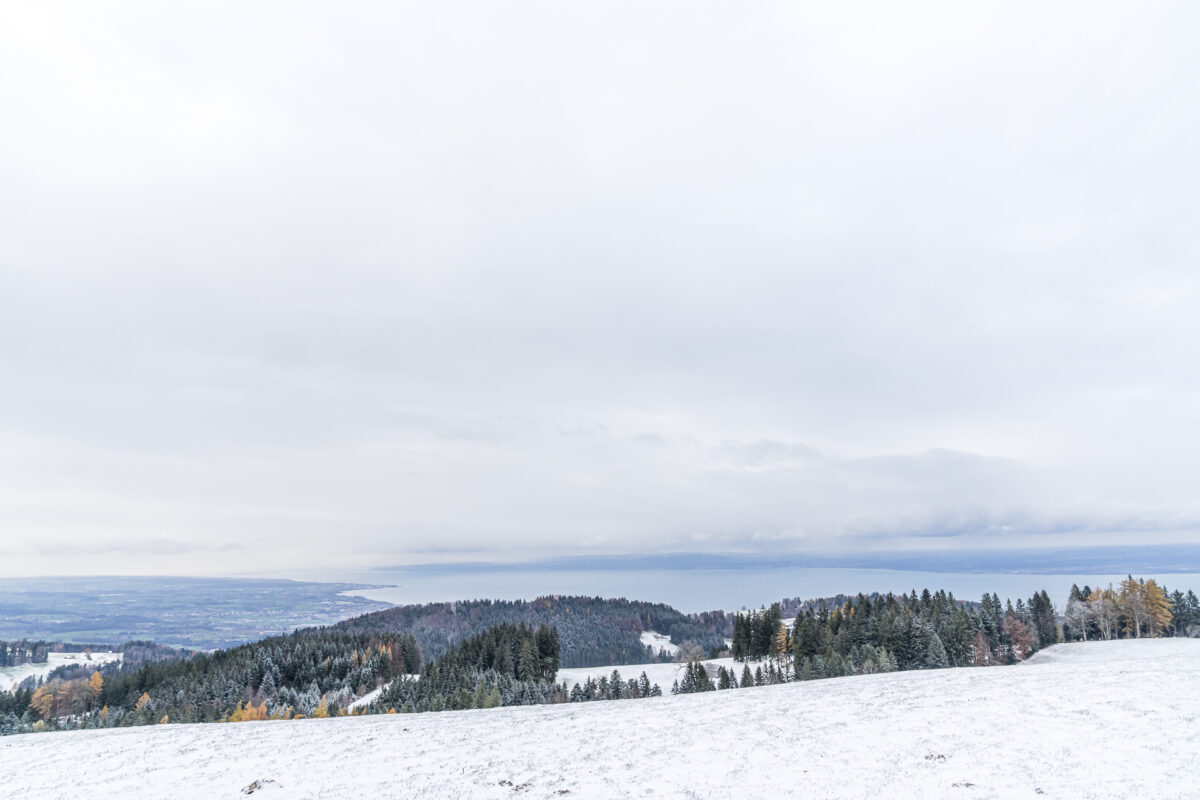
<point x="289" y="284"/>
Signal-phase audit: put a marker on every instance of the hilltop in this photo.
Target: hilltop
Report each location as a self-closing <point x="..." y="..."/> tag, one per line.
<point x="1086" y="720"/>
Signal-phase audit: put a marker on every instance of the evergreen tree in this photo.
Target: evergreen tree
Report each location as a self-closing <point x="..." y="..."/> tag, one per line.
<point x="935" y="654"/>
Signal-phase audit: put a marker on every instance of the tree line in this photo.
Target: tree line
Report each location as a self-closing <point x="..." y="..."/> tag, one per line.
<point x="17" y="653"/>
<point x="330" y="671"/>
<point x="1134" y="610"/>
<point x="592" y="630"/>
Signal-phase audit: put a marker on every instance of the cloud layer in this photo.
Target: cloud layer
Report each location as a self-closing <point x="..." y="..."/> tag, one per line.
<point x="286" y="286"/>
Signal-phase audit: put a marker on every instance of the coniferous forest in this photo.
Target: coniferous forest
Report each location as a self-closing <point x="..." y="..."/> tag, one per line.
<point x="504" y="665"/>
<point x="592" y="630"/>
<point x="371" y="664"/>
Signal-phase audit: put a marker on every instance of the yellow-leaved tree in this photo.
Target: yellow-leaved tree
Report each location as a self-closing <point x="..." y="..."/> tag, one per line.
<point x="1158" y="608"/>
<point x="1145" y="606"/>
<point x="43" y="700"/>
<point x="781" y="641"/>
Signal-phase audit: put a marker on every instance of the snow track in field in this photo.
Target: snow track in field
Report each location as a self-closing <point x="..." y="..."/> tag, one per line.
<point x="1092" y="720"/>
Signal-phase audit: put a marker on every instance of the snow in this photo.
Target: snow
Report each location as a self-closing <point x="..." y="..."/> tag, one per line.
<point x="373" y="695"/>
<point x="366" y="699"/>
<point x="11" y="676"/>
<point x="662" y="674"/>
<point x="659" y="642"/>
<point x="1089" y="720"/>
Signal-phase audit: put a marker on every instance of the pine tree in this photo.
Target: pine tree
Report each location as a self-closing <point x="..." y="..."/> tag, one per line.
<point x="740" y="646"/>
<point x="935" y="653"/>
<point x="614" y="686"/>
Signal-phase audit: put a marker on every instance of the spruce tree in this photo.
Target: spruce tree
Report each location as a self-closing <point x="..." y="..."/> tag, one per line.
<point x="935" y="654"/>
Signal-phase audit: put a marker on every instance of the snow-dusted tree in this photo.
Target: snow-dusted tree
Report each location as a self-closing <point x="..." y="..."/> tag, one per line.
<point x="1041" y="613"/>
<point x="935" y="653"/>
<point x="1021" y="639"/>
<point x="1102" y="607"/>
<point x="1132" y="603"/>
<point x="614" y="685"/>
<point x="981" y="652"/>
<point x="1079" y="616"/>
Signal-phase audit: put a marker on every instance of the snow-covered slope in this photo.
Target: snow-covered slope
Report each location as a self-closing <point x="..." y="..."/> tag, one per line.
<point x="373" y="695"/>
<point x="1097" y="720"/>
<point x="659" y="642"/>
<point x="10" y="676"/>
<point x="662" y="674"/>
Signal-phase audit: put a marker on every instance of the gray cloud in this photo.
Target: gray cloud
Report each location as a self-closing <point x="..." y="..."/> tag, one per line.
<point x="332" y="288"/>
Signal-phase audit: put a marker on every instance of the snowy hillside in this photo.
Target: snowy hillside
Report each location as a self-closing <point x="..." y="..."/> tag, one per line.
<point x="11" y="676"/>
<point x="662" y="674"/>
<point x="1093" y="720"/>
<point x="659" y="642"/>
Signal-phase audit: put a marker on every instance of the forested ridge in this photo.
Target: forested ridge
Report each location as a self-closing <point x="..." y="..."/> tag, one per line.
<point x="323" y="671"/>
<point x="592" y="630"/>
<point x="482" y="663"/>
<point x="885" y="633"/>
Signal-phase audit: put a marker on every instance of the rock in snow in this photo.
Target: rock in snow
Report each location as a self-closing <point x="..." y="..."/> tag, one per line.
<point x="1090" y="720"/>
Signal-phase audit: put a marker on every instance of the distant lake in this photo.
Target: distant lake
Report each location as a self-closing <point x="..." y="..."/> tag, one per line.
<point x="696" y="590"/>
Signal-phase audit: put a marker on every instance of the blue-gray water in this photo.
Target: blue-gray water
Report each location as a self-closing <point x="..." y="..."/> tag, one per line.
<point x="707" y="589"/>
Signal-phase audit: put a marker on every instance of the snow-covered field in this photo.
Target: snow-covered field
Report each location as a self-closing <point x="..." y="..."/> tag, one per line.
<point x="662" y="674"/>
<point x="659" y="642"/>
<point x="1092" y="720"/>
<point x="10" y="676"/>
